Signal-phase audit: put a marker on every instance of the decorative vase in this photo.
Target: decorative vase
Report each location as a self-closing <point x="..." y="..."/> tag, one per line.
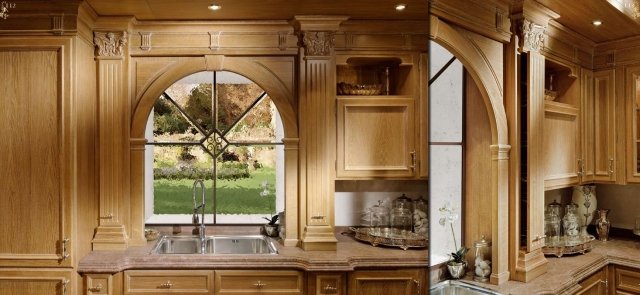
<point x="457" y="270"/>
<point x="603" y="224"/>
<point x="584" y="196"/>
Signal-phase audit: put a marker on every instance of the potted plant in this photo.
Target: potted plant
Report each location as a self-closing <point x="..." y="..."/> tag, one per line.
<point x="457" y="265"/>
<point x="271" y="229"/>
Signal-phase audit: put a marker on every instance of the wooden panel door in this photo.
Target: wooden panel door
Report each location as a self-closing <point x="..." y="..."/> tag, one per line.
<point x="387" y="282"/>
<point x="262" y="282"/>
<point x="586" y="161"/>
<point x="562" y="145"/>
<point x="595" y="284"/>
<point x="168" y="282"/>
<point x="376" y="137"/>
<point x="604" y="126"/>
<point x="35" y="282"/>
<point x="632" y="104"/>
<point x="423" y="152"/>
<point x="326" y="283"/>
<point x="37" y="158"/>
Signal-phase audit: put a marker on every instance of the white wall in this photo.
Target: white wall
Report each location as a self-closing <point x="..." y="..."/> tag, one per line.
<point x="622" y="200"/>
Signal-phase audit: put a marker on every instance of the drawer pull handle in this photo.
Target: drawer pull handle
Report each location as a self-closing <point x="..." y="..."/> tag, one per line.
<point x="97" y="288"/>
<point x="259" y="284"/>
<point x="65" y="249"/>
<point x="610" y="171"/>
<point x="329" y="289"/>
<point x="418" y="286"/>
<point x="166" y="285"/>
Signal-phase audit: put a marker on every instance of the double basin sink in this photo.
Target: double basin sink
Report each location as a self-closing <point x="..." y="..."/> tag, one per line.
<point x="254" y="244"/>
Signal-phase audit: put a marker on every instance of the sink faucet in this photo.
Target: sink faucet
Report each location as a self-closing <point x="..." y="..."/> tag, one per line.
<point x="200" y="207"/>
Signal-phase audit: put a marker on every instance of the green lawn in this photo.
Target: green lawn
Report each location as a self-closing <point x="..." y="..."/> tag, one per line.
<point x="233" y="196"/>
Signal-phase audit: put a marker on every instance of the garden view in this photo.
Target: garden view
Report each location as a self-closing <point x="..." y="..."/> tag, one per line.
<point x="239" y="137"/>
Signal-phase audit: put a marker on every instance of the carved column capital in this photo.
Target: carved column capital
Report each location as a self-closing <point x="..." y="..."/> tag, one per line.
<point x="532" y="36"/>
<point x="318" y="43"/>
<point x="110" y="44"/>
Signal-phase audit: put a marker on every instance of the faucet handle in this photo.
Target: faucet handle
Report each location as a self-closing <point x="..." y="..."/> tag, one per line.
<point x="195" y="218"/>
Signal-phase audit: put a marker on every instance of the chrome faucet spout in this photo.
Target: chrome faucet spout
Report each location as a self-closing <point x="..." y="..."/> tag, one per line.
<point x="201" y="207"/>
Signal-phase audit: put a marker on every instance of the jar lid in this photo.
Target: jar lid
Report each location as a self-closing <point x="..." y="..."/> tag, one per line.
<point x="482" y="243"/>
<point x="555" y="204"/>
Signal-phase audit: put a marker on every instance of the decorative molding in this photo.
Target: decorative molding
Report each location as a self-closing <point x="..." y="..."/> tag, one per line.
<point x="532" y="36"/>
<point x="110" y="44"/>
<point x="282" y="40"/>
<point x="145" y="41"/>
<point x="4" y="9"/>
<point x="214" y="40"/>
<point x="348" y="40"/>
<point x="57" y="24"/>
<point x="318" y="43"/>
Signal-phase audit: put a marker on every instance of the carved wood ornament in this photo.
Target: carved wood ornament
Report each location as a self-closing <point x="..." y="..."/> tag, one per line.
<point x="110" y="44"/>
<point x="532" y="36"/>
<point x="318" y="43"/>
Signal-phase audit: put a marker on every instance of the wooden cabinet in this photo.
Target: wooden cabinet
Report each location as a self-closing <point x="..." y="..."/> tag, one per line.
<point x="102" y="284"/>
<point x="375" y="137"/>
<point x="632" y="105"/>
<point x="596" y="284"/>
<point x="37" y="159"/>
<point x="627" y="280"/>
<point x="562" y="143"/>
<point x="326" y="284"/>
<point x="36" y="281"/>
<point x="387" y="282"/>
<point x="381" y="133"/>
<point x="604" y="119"/>
<point x="263" y="282"/>
<point x="168" y="282"/>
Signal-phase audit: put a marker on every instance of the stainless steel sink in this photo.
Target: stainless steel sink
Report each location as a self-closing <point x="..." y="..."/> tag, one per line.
<point x="214" y="245"/>
<point x="458" y="288"/>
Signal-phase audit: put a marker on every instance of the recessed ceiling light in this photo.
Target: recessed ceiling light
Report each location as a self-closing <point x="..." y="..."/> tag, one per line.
<point x="401" y="7"/>
<point x="596" y="22"/>
<point x="214" y="6"/>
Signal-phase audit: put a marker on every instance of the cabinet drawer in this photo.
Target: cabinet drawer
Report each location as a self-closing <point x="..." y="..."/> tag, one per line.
<point x="627" y="279"/>
<point x="168" y="282"/>
<point x="98" y="284"/>
<point x="250" y="282"/>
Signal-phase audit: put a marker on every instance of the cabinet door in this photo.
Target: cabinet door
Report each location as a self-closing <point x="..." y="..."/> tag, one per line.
<point x="596" y="284"/>
<point x="35" y="282"/>
<point x="263" y="282"/>
<point x="387" y="282"/>
<point x="168" y="282"/>
<point x="103" y="284"/>
<point x="586" y="161"/>
<point x="561" y="145"/>
<point x="326" y="284"/>
<point x="627" y="280"/>
<point x="633" y="129"/>
<point x="376" y="137"/>
<point x="423" y="152"/>
<point x="37" y="159"/>
<point x="604" y="126"/>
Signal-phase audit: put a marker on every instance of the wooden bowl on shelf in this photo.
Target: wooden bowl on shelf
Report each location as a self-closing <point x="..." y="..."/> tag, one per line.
<point x="359" y="89"/>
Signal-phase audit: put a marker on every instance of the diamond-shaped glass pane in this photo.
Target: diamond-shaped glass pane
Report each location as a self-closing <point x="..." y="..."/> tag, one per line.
<point x="235" y="95"/>
<point x="171" y="125"/>
<point x="259" y="125"/>
<point x="193" y="94"/>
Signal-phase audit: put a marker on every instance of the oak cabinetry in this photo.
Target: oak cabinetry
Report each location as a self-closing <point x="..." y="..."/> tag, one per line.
<point x="380" y="134"/>
<point x="595" y="284"/>
<point x="604" y="136"/>
<point x="35" y="281"/>
<point x="168" y="281"/>
<point x="263" y="282"/>
<point x="563" y="159"/>
<point x="627" y="280"/>
<point x="633" y="129"/>
<point x="387" y="282"/>
<point x="326" y="284"/>
<point x="103" y="284"/>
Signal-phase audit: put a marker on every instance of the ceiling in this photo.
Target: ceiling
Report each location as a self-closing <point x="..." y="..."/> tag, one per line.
<point x="578" y="15"/>
<point x="260" y="9"/>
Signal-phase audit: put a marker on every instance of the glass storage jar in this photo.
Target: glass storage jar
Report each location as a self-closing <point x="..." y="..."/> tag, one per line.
<point x="401" y="220"/>
<point x="483" y="260"/>
<point x="420" y="216"/>
<point x="552" y="225"/>
<point x="403" y="202"/>
<point x="570" y="224"/>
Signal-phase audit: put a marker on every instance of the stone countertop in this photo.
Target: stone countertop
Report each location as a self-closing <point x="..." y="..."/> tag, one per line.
<point x="350" y="254"/>
<point x="564" y="273"/>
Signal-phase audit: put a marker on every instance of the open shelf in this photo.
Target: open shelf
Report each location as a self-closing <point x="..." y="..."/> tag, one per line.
<point x="390" y="75"/>
<point x="560" y="83"/>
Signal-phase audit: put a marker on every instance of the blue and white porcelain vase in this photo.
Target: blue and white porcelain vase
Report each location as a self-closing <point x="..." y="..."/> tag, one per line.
<point x="585" y="197"/>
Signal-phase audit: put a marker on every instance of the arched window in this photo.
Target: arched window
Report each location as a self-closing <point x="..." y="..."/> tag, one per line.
<point x="223" y="128"/>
